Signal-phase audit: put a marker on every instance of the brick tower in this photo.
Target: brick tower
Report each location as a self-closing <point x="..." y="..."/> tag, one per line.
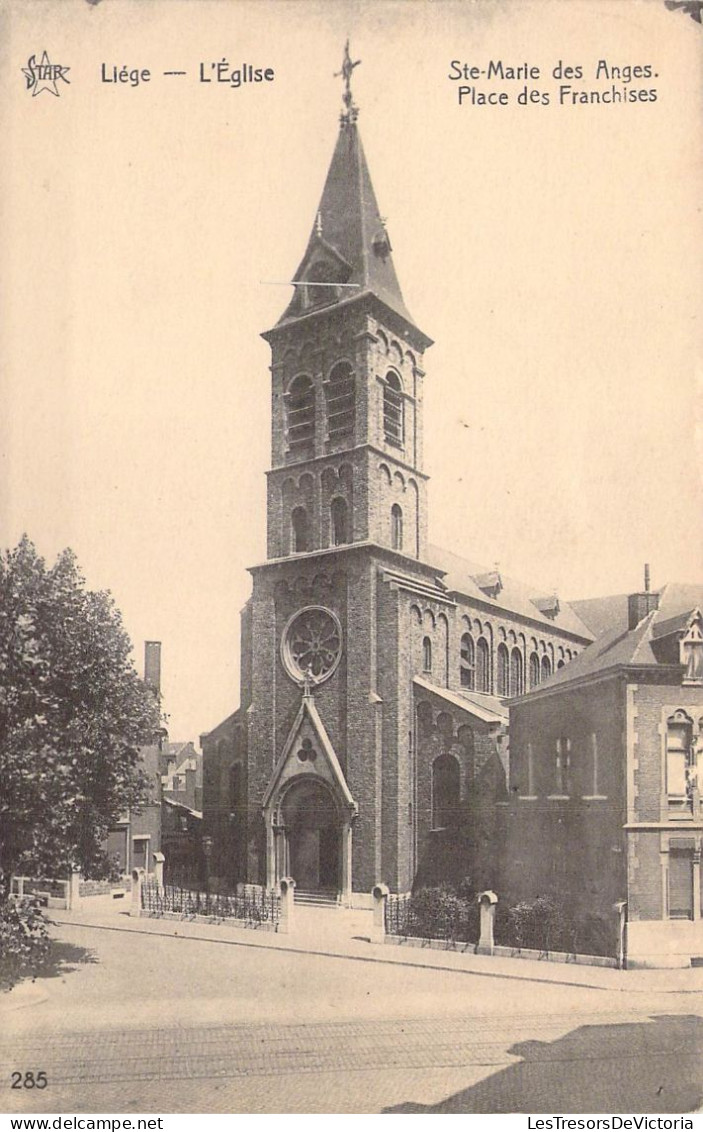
<point x="328" y="713"/>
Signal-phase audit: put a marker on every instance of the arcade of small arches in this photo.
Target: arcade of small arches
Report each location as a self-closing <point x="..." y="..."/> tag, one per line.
<point x="331" y="495"/>
<point x="513" y="666"/>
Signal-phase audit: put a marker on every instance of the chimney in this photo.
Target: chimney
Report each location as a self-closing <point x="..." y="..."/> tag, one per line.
<point x="641" y="605"/>
<point x="152" y="665"/>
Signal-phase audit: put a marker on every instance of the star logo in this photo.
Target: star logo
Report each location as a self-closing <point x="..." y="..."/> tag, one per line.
<point x="44" y="75"/>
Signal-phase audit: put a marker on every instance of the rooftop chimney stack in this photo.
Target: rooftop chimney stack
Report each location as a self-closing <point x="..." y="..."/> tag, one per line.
<point x="152" y="665"/>
<point x="641" y="605"/>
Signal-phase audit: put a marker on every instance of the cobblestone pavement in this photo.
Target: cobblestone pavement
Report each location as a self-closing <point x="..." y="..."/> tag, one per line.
<point x="131" y="1024"/>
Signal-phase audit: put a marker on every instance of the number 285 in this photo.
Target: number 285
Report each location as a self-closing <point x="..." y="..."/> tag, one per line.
<point x="29" y="1080"/>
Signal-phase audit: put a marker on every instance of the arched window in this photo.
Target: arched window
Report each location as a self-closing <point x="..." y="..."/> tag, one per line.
<point x="341" y="402"/>
<point x="426" y="654"/>
<point x="446" y="779"/>
<point x="466" y="665"/>
<point x="560" y="664"/>
<point x="483" y="666"/>
<point x="396" y="527"/>
<point x="300" y="405"/>
<point x="393" y="410"/>
<point x="300" y="523"/>
<point x="339" y="518"/>
<point x="503" y="671"/>
<point x="546" y="668"/>
<point x="679" y="740"/>
<point x="534" y="670"/>
<point x="517" y="673"/>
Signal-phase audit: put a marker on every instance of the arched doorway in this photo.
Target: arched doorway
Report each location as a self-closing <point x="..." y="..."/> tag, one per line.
<point x="313" y="837"/>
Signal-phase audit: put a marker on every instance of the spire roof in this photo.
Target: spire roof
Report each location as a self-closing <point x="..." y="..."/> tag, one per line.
<point x="349" y="243"/>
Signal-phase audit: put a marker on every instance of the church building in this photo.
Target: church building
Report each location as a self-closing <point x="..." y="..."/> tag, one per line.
<point x="370" y="744"/>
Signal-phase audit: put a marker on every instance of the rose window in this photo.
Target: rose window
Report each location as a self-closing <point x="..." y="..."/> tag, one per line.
<point x="312" y="645"/>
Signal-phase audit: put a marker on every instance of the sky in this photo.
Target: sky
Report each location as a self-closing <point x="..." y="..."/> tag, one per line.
<point x="551" y="251"/>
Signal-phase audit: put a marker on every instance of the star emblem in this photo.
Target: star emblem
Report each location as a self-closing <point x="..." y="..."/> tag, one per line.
<point x="44" y="75"/>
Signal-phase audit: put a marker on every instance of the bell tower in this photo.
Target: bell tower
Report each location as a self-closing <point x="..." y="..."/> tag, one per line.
<point x="347" y="375"/>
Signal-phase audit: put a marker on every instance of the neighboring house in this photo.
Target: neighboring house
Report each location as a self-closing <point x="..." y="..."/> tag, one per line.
<point x="132" y="842"/>
<point x="181" y="812"/>
<point x="605" y="797"/>
<point x="370" y="744"/>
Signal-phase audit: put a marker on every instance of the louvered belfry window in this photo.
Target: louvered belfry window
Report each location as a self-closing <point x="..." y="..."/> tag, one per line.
<point x="393" y="411"/>
<point x="341" y="402"/>
<point x="301" y="415"/>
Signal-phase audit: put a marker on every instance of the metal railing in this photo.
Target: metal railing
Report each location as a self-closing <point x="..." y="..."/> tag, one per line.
<point x="254" y="909"/>
<point x="424" y="917"/>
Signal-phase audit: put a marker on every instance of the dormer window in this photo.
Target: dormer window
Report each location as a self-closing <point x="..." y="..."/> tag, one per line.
<point x="321" y="279"/>
<point x="692" y="652"/>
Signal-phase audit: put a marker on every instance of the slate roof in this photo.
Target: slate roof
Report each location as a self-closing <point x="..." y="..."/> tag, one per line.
<point x="515" y="597"/>
<point x="349" y="228"/>
<point x="489" y="709"/>
<point x="620" y="647"/>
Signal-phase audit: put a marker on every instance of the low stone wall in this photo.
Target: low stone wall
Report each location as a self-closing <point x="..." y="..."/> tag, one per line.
<point x="219" y="921"/>
<point x="103" y="887"/>
<point x="502" y="952"/>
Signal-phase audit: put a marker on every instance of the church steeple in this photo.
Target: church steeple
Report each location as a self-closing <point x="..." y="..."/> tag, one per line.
<point x="349" y="251"/>
<point x="347" y="375"/>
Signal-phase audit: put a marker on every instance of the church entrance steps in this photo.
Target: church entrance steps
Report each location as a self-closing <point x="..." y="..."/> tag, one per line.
<point x="322" y="898"/>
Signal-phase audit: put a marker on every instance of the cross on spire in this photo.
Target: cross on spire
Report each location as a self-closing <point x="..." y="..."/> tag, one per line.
<point x="348" y="65"/>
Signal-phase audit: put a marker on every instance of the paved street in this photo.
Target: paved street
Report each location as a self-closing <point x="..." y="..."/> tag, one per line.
<point x="131" y="1021"/>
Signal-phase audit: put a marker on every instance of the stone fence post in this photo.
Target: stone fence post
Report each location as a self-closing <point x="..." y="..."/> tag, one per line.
<point x="487" y="907"/>
<point x="379" y="894"/>
<point x="74" y="890"/>
<point x="159" y="869"/>
<point x="286" y="890"/>
<point x="137" y="881"/>
<point x="621" y="911"/>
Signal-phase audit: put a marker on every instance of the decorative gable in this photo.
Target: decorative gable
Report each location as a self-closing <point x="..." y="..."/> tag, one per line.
<point x="309" y="751"/>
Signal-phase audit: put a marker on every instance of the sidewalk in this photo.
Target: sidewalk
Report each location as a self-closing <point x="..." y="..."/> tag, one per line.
<point x="343" y="934"/>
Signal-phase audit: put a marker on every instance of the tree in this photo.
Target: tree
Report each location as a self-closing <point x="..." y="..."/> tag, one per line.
<point x="73" y="716"/>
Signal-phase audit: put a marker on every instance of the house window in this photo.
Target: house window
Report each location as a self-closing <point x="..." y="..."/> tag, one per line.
<point x="339" y="522"/>
<point x="300" y="404"/>
<point x="692" y="652"/>
<point x="679" y="741"/>
<point x="341" y="402"/>
<point x="140" y="852"/>
<point x="393" y="429"/>
<point x="300" y="523"/>
<point x="680" y="884"/>
<point x="546" y="668"/>
<point x="483" y="666"/>
<point x="426" y="654"/>
<point x="534" y="670"/>
<point x="396" y="527"/>
<point x="446" y="776"/>
<point x="503" y="671"/>
<point x="562" y="767"/>
<point x="517" y="681"/>
<point x="466" y="664"/>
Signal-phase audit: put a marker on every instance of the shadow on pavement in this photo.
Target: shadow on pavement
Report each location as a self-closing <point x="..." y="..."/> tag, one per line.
<point x="643" y="1067"/>
<point x="64" y="958"/>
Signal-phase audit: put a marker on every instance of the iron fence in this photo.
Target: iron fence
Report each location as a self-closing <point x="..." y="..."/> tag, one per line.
<point x="254" y="908"/>
<point x="428" y="916"/>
